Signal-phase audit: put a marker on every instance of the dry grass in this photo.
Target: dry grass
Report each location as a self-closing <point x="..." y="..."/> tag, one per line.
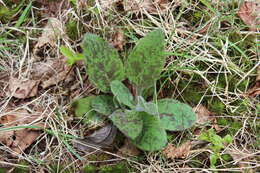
<point x="219" y="63"/>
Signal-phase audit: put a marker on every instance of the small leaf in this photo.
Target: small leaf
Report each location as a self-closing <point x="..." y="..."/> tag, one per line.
<point x="122" y="93"/>
<point x="102" y="61"/>
<point x="103" y="104"/>
<point x="71" y="56"/>
<point x="213" y="160"/>
<point x="211" y="136"/>
<point x="129" y="123"/>
<point x="175" y="115"/>
<point x="153" y="136"/>
<point x="146" y="61"/>
<point x="227" y="139"/>
<point x="84" y="110"/>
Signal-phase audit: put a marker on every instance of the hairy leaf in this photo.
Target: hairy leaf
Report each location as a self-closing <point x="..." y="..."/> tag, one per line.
<point x="129" y="123"/>
<point x="153" y="136"/>
<point x="175" y="115"/>
<point x="146" y="60"/>
<point x="102" y="61"/>
<point x="103" y="104"/>
<point x="122" y="93"/>
<point x="148" y="107"/>
<point x="83" y="109"/>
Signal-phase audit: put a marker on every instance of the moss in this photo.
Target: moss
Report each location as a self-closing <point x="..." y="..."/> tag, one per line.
<point x="99" y="157"/>
<point x="5" y="14"/>
<point x="226" y="157"/>
<point x="258" y="109"/>
<point x="242" y="106"/>
<point x="257" y="142"/>
<point x="3" y="170"/>
<point x="14" y="3"/>
<point x="72" y="30"/>
<point x="12" y="7"/>
<point x="231" y="81"/>
<point x="254" y="127"/>
<point x="217" y="106"/>
<point x="92" y="157"/>
<point x="103" y="157"/>
<point x="118" y="168"/>
<point x="243" y="85"/>
<point x="236" y="47"/>
<point x="198" y="16"/>
<point x="56" y="168"/>
<point x="191" y="93"/>
<point x="235" y="37"/>
<point x="233" y="125"/>
<point x="89" y="169"/>
<point x="22" y="168"/>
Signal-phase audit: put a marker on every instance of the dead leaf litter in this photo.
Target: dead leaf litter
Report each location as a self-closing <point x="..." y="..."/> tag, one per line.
<point x="100" y="139"/>
<point x="249" y="12"/>
<point x="255" y="90"/>
<point x="203" y="114"/>
<point x="181" y="151"/>
<point x="18" y="139"/>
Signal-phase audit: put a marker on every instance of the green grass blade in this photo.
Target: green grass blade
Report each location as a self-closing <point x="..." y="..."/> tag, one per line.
<point x="23" y="16"/>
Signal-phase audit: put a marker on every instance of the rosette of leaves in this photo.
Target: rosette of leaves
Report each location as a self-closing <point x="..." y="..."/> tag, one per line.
<point x="145" y="123"/>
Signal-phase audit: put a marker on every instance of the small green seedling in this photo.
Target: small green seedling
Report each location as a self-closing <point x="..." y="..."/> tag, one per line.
<point x="217" y="143"/>
<point x="71" y="56"/>
<point x="145" y="123"/>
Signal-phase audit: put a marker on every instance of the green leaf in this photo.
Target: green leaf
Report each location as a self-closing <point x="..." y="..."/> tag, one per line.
<point x="22" y="18"/>
<point x="175" y="115"/>
<point x="146" y="60"/>
<point x="102" y="61"/>
<point x="74" y="2"/>
<point x="213" y="160"/>
<point x="211" y="136"/>
<point x="83" y="109"/>
<point x="122" y="93"/>
<point x="129" y="123"/>
<point x="153" y="136"/>
<point x="71" y="56"/>
<point x="148" y="107"/>
<point x="227" y="139"/>
<point x="103" y="104"/>
<point x="6" y="13"/>
<point x="226" y="157"/>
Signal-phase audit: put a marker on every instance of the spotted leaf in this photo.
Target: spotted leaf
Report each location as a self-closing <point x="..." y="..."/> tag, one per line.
<point x="146" y="60"/>
<point x="175" y="116"/>
<point x="128" y="122"/>
<point x="122" y="93"/>
<point x="153" y="136"/>
<point x="103" y="104"/>
<point x="83" y="109"/>
<point x="103" y="64"/>
<point x="148" y="107"/>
